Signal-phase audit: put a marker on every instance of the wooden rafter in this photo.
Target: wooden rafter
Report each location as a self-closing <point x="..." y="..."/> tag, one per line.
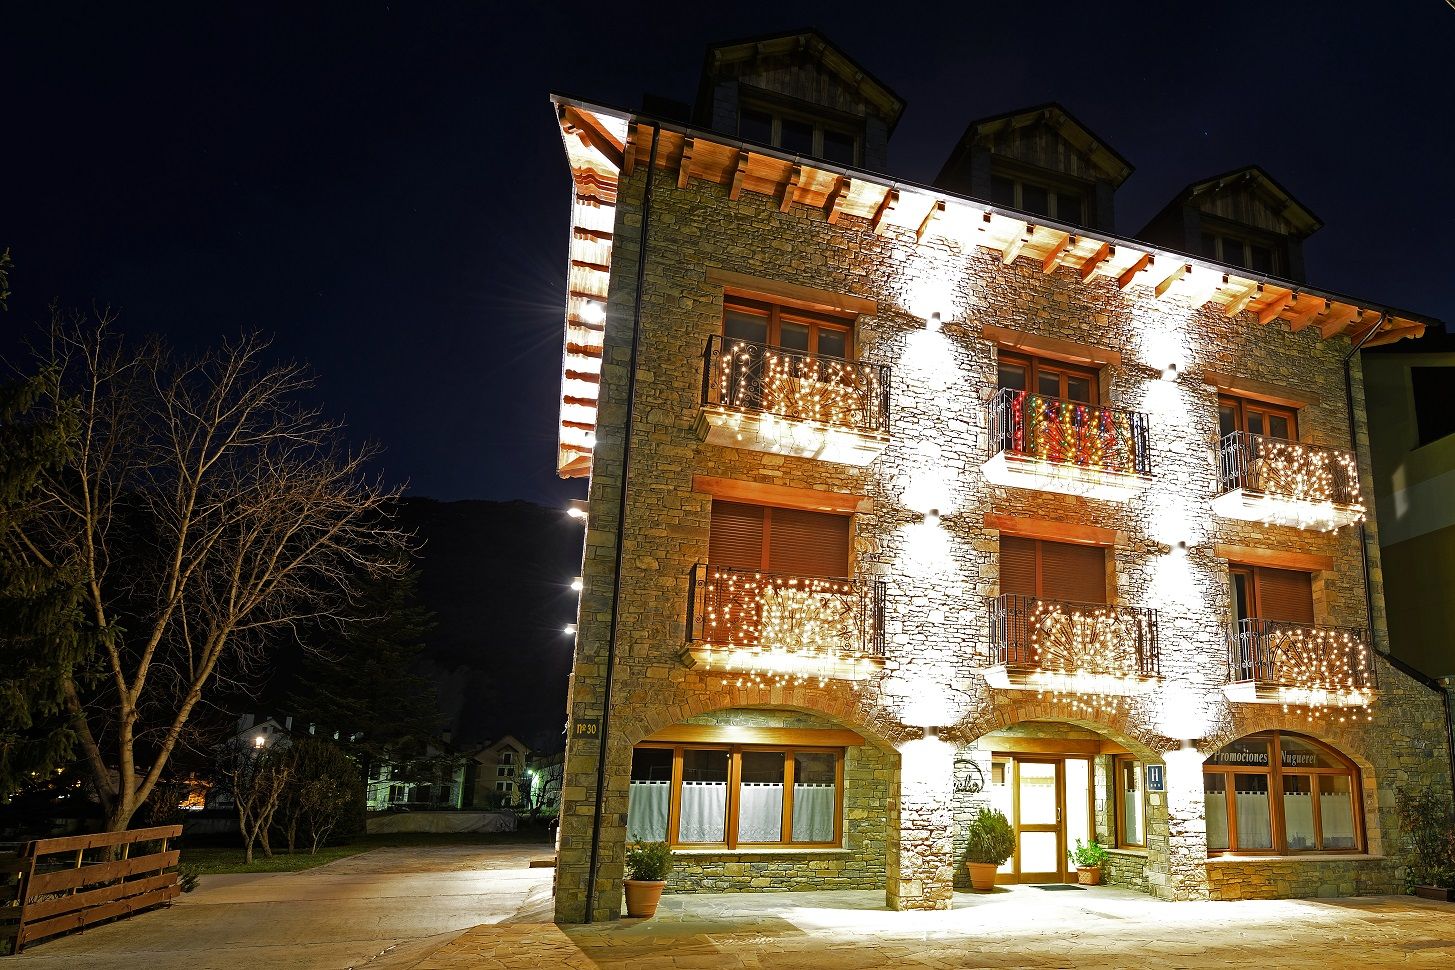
<point x="591" y="133"/>
<point x="886" y="206"/>
<point x="1058" y="253"/>
<point x="684" y="168"/>
<point x="583" y="264"/>
<point x="1241" y="301"/>
<point x="794" y="178"/>
<point x="1096" y="262"/>
<point x="1130" y="273"/>
<point x="1017" y="244"/>
<point x="1365" y="329"/>
<point x="629" y="154"/>
<point x="1181" y="273"/>
<point x="834" y="203"/>
<point x="1394" y="334"/>
<point x="936" y="210"/>
<point x="1270" y="312"/>
<point x="1336" y="320"/>
<point x="1309" y="316"/>
<point x="740" y="172"/>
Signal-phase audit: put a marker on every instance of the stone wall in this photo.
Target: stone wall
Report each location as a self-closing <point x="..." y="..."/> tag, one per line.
<point x="1289" y="878"/>
<point x="937" y="578"/>
<point x="1126" y="869"/>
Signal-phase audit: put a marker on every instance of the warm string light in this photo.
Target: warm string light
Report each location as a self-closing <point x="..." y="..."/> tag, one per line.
<point x="777" y="630"/>
<point x="1323" y="482"/>
<point x="800" y="387"/>
<point x="1085" y="656"/>
<point x="1308" y="667"/>
<point x="1068" y="432"/>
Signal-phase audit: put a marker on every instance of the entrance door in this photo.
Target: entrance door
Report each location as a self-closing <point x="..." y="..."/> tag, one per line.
<point x="1040" y="850"/>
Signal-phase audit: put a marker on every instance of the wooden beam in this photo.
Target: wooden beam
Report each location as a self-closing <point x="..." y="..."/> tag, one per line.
<point x="1181" y="273"/>
<point x="1125" y="280"/>
<point x="745" y="734"/>
<point x="583" y="264"/>
<point x="1015" y="744"/>
<point x="1094" y="263"/>
<point x="1278" y="558"/>
<point x="589" y="130"/>
<point x="924" y="227"/>
<point x="886" y="206"/>
<point x="1054" y="347"/>
<point x="1337" y="319"/>
<point x="1394" y="334"/>
<point x="1309" y="316"/>
<point x="1239" y="303"/>
<point x="684" y="168"/>
<point x="1016" y="525"/>
<point x="794" y="177"/>
<point x="1058" y="253"/>
<point x="1270" y="313"/>
<point x="629" y="151"/>
<point x="833" y="205"/>
<point x="794" y="294"/>
<point x="740" y="172"/>
<point x="1017" y="244"/>
<point x="1240" y="386"/>
<point x="783" y="496"/>
<point x="1366" y="328"/>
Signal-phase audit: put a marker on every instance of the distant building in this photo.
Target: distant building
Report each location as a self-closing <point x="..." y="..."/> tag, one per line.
<point x="500" y="773"/>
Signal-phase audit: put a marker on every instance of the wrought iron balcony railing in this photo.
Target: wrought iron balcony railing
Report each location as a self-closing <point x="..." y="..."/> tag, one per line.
<point x="772" y="399"/>
<point x="1071" y="647"/>
<point x="1067" y="446"/>
<point x="1287" y="482"/>
<point x="779" y="625"/>
<point x="1274" y="662"/>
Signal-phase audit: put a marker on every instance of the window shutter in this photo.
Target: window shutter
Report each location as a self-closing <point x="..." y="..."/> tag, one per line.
<point x="1285" y="594"/>
<point x="1017" y="566"/>
<point x="736" y="541"/>
<point x="1073" y="573"/>
<point x="803" y="543"/>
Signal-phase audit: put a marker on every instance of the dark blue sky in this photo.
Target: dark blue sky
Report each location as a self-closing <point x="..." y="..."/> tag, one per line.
<point x="381" y="186"/>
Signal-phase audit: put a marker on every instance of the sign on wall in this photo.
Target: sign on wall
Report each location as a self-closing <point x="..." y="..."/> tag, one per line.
<point x="1155" y="780"/>
<point x="586" y="728"/>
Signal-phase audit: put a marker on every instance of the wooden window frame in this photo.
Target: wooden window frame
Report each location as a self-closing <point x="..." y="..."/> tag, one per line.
<point x="1221" y="232"/>
<point x="778" y="313"/>
<point x="778" y="112"/>
<point x="1242" y="406"/>
<point x="1275" y="772"/>
<point x="1119" y="763"/>
<point x="1052" y="185"/>
<point x="1255" y="589"/>
<point x="765" y="551"/>
<point x="1034" y="365"/>
<point x="734" y="783"/>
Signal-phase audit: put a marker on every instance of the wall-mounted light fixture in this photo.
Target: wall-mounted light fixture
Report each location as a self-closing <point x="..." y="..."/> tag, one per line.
<point x="576" y="584"/>
<point x="1179" y="548"/>
<point x="570" y="629"/>
<point x="593" y="312"/>
<point x="931" y="518"/>
<point x="576" y="508"/>
<point x="933" y="322"/>
<point x="1170" y="372"/>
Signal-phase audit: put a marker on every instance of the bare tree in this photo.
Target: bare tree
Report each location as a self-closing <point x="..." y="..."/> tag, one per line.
<point x="257" y="779"/>
<point x="209" y="513"/>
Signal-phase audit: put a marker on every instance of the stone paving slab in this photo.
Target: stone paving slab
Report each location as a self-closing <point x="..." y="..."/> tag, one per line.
<point x="1018" y="927"/>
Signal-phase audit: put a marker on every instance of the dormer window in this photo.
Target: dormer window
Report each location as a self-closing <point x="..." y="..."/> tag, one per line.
<point x="1260" y="257"/>
<point x="798" y="133"/>
<point x="1062" y="203"/>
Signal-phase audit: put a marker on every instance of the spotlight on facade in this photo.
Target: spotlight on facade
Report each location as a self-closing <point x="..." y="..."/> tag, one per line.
<point x="570" y="629"/>
<point x="1170" y="372"/>
<point x="933" y="321"/>
<point x="932" y="517"/>
<point x="259" y="741"/>
<point x="576" y="509"/>
<point x="1179" y="548"/>
<point x="593" y="313"/>
<point x="576" y="584"/>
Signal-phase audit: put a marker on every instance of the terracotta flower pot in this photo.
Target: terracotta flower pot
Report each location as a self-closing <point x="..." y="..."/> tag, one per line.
<point x="1088" y="875"/>
<point x="982" y="875"/>
<point x="642" y="896"/>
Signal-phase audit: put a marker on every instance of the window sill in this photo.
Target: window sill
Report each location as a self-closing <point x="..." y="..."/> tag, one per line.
<point x="1137" y="853"/>
<point x="1298" y="857"/>
<point x="765" y="851"/>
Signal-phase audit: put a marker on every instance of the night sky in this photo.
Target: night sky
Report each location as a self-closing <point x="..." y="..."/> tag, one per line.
<point x="382" y="186"/>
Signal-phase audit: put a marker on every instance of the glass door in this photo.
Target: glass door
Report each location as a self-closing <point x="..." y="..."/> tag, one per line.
<point x="1040" y="849"/>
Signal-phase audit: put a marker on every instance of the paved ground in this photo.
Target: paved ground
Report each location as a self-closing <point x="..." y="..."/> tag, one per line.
<point x="1020" y="927"/>
<point x="384" y="909"/>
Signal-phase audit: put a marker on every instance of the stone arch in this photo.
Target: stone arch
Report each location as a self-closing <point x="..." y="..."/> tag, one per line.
<point x="1120" y="724"/>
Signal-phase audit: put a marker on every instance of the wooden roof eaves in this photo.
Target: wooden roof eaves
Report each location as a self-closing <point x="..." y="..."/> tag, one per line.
<point x="1273" y="286"/>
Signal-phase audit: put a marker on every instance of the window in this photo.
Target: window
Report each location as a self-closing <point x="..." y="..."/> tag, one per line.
<point x="1262" y="593"/>
<point x="505" y="771"/>
<point x="506" y="758"/>
<point x="798" y="133"/>
<point x="1256" y="417"/>
<point x="1048" y="378"/>
<point x="1282" y="794"/>
<point x="1434" y="393"/>
<point x="502" y="786"/>
<point x="1064" y="204"/>
<point x="1052" y="570"/>
<point x="1131" y="802"/>
<point x="1261" y="256"/>
<point x="803" y="331"/>
<point x="789" y="541"/>
<point x="732" y="795"/>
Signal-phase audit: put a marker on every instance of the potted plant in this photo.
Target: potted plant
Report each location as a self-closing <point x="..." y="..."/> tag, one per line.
<point x="646" y="876"/>
<point x="990" y="842"/>
<point x="1088" y="857"/>
<point x="1429" y="835"/>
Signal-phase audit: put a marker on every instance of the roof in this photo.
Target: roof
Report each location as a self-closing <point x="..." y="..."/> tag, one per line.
<point x="825" y="51"/>
<point x="1290" y="209"/>
<point x="1116" y="168"/>
<point x="603" y="142"/>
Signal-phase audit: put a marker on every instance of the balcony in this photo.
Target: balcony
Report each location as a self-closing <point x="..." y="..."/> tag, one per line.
<point x="1292" y="663"/>
<point x="791" y="403"/>
<point x="1071" y="648"/>
<point x="1053" y="445"/>
<point x="1280" y="482"/>
<point x="775" y="628"/>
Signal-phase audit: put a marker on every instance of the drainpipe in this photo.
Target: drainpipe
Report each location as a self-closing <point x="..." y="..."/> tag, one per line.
<point x="626" y="454"/>
<point x="1364" y="561"/>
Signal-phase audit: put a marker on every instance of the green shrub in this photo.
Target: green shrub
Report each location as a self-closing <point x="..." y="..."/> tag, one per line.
<point x="648" y="861"/>
<point x="1087" y="855"/>
<point x="1428" y="825"/>
<point x="991" y="839"/>
<point x="187" y="876"/>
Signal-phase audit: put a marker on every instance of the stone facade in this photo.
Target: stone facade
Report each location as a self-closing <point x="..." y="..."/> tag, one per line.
<point x="938" y="578"/>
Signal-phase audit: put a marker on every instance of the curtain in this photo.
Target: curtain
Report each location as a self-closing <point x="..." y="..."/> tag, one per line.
<point x="1252" y="812"/>
<point x="1337" y="815"/>
<point x="1217" y="819"/>
<point x="646" y="813"/>
<point x="760" y="812"/>
<point x="704" y="812"/>
<point x="1298" y="819"/>
<point x="813" y="813"/>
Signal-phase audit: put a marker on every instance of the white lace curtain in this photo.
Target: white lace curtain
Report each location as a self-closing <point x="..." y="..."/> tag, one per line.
<point x="704" y="812"/>
<point x="1254" y="831"/>
<point x="813" y="813"/>
<point x="1336" y="811"/>
<point x="648" y="803"/>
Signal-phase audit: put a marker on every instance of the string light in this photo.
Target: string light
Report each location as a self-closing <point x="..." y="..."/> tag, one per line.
<point x="1067" y="446"/>
<point x="1274" y="481"/>
<point x="1311" y="668"/>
